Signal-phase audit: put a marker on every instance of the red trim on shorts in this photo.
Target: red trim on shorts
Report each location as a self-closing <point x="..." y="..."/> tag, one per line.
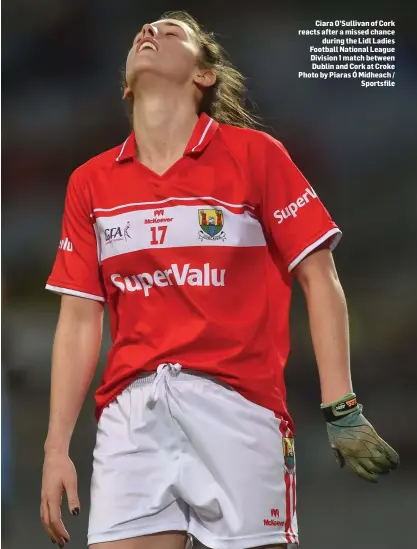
<point x="294" y="499"/>
<point x="283" y="428"/>
<point x="290" y="433"/>
<point x="292" y="510"/>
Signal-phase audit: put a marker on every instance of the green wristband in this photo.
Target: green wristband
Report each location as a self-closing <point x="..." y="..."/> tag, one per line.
<point x="339" y="408"/>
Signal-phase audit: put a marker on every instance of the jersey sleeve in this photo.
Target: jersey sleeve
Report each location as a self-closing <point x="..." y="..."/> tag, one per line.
<point x="292" y="214"/>
<point x="76" y="270"/>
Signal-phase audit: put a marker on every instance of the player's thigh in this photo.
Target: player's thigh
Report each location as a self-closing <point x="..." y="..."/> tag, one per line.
<point x="164" y="540"/>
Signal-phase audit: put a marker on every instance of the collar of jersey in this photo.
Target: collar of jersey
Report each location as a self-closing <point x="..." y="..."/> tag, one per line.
<point x="202" y="134"/>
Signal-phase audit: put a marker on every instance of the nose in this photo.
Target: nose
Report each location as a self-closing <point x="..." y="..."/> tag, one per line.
<point x="148" y="30"/>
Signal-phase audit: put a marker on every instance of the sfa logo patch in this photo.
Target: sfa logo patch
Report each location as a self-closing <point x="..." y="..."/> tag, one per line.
<point x="211" y="222"/>
<point x="293" y="207"/>
<point x="289" y="455"/>
<point x="115" y="234"/>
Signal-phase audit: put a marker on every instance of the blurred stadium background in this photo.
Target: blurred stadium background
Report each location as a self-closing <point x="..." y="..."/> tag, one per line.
<point x="62" y="105"/>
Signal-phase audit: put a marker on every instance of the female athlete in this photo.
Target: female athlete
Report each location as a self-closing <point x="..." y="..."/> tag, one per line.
<point x="191" y="232"/>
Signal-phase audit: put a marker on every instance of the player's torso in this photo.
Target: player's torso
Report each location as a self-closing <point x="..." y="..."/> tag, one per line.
<point x="182" y="255"/>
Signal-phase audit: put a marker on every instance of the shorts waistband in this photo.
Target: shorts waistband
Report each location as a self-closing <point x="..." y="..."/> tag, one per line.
<point x="184" y="375"/>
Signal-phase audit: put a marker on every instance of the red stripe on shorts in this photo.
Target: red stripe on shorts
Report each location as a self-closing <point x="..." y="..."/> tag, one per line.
<point x="292" y="482"/>
<point x="283" y="427"/>
<point x="294" y="501"/>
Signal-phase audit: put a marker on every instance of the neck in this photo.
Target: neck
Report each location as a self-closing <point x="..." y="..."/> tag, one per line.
<point x="163" y="124"/>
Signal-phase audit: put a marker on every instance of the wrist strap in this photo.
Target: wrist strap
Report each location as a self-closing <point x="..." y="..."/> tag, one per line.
<point x="339" y="408"/>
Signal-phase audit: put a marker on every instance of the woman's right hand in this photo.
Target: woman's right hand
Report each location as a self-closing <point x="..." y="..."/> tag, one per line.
<point x="59" y="475"/>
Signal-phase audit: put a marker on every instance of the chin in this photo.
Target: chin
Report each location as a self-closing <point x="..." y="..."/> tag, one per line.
<point x="143" y="61"/>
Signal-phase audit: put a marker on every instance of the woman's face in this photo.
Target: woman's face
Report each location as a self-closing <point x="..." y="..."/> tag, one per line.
<point x="166" y="49"/>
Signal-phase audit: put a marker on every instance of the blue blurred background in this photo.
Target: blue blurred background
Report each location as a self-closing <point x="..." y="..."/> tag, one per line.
<point x="62" y="105"/>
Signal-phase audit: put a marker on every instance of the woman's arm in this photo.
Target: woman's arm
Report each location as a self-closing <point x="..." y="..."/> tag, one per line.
<point x="352" y="437"/>
<point x="329" y="324"/>
<point x="74" y="359"/>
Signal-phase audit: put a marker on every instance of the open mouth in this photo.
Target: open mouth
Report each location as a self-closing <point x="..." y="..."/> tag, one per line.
<point x="147" y="45"/>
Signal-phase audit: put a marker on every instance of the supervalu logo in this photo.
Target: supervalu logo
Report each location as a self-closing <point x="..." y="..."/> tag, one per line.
<point x="292" y="209"/>
<point x="174" y="276"/>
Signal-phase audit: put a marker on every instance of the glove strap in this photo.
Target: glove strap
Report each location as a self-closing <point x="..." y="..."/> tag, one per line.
<point x="339" y="408"/>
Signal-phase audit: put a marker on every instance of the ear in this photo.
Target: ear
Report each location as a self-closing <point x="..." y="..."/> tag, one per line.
<point x="205" y="78"/>
<point x="127" y="93"/>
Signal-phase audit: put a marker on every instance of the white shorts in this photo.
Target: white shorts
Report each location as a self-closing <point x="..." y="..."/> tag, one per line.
<point x="178" y="451"/>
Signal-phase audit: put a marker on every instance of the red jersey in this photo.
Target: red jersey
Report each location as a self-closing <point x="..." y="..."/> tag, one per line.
<point x="194" y="265"/>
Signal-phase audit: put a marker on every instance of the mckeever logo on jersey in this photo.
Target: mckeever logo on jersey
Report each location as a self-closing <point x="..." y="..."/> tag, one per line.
<point x="175" y="276"/>
<point x="211" y="222"/>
